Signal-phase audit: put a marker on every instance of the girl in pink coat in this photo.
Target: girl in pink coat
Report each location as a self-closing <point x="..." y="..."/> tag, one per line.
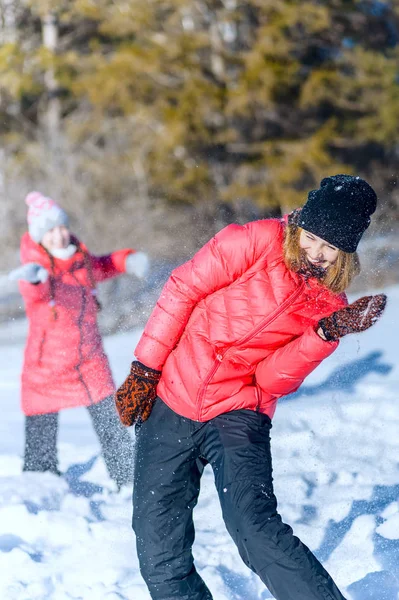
<point x="64" y="364"/>
<point x="237" y="327"/>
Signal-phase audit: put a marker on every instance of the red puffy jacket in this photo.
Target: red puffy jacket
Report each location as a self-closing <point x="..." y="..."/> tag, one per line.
<point x="65" y="364"/>
<point x="234" y="328"/>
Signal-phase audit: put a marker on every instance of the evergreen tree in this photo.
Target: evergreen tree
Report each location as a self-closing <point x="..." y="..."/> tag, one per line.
<point x="210" y="100"/>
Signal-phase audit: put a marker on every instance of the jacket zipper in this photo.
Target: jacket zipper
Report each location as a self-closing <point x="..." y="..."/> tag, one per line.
<point x="220" y="355"/>
<point x="257" y="397"/>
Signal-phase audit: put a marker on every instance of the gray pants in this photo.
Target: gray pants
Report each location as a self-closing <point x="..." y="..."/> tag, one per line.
<point x="115" y="441"/>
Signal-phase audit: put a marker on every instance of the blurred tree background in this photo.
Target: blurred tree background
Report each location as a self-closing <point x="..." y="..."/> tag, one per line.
<point x="156" y="122"/>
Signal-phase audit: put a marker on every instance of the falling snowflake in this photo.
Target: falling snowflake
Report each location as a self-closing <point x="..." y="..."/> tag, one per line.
<point x="338" y="187"/>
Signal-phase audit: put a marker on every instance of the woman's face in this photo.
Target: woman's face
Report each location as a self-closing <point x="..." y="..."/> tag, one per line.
<point x="317" y="251"/>
<point x="57" y="238"/>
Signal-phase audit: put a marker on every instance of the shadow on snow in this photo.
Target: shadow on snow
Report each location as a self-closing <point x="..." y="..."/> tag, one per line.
<point x="345" y="378"/>
<point x="85" y="488"/>
<point x="383" y="584"/>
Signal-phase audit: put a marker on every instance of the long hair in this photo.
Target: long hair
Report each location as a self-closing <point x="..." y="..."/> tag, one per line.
<point x="87" y="262"/>
<point x="338" y="276"/>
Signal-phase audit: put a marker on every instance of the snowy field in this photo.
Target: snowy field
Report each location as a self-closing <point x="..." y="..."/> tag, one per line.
<point x="336" y="466"/>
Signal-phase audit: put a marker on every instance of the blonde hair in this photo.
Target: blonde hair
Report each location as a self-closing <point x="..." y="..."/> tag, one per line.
<point x="338" y="276"/>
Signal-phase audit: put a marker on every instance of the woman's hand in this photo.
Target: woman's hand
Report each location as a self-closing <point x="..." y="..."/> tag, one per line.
<point x="320" y="333"/>
<point x="135" y="397"/>
<point x="137" y="263"/>
<point x="356" y="317"/>
<point x="31" y="272"/>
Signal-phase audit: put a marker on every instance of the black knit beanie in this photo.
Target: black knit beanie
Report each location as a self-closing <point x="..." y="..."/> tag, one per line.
<point x="339" y="211"/>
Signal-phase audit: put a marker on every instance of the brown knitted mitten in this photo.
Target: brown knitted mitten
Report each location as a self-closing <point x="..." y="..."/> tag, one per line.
<point x="134" y="399"/>
<point x="354" y="318"/>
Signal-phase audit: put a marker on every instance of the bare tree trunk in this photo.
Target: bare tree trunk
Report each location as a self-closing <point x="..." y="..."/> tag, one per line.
<point x="8" y="21"/>
<point x="52" y="115"/>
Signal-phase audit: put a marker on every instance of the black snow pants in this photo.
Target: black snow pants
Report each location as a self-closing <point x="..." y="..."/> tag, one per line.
<point x="167" y="475"/>
<point x="115" y="441"/>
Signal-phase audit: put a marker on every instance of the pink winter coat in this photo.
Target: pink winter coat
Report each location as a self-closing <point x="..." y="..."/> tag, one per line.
<point x="64" y="363"/>
<point x="234" y="328"/>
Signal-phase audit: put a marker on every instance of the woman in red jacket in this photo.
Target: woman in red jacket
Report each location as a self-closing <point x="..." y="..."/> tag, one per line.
<point x="237" y="327"/>
<point x="65" y="364"/>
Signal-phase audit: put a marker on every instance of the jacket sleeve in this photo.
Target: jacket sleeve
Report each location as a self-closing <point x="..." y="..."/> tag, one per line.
<point x="285" y="369"/>
<point x="220" y="262"/>
<point x="109" y="265"/>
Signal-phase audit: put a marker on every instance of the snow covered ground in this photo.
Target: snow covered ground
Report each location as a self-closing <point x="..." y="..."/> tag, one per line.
<point x="336" y="459"/>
